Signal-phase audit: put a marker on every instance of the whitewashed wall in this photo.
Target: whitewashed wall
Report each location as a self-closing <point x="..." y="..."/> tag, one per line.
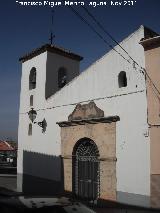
<point x="99" y="83"/>
<point x="39" y="101"/>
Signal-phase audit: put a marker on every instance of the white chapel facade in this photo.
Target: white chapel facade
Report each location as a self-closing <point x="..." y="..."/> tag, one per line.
<point x="88" y="133"/>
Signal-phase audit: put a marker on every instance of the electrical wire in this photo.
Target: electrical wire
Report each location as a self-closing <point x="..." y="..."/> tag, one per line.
<point x="100" y="25"/>
<point x="104" y="30"/>
<point x="95" y="31"/>
<point x="104" y="40"/>
<point x="152" y="82"/>
<point x="86" y="101"/>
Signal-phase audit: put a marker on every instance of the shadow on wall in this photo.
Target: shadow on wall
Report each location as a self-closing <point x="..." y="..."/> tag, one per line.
<point x="42" y="174"/>
<point x="41" y="187"/>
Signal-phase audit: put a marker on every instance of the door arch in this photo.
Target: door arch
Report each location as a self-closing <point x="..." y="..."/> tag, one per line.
<point x="85" y="170"/>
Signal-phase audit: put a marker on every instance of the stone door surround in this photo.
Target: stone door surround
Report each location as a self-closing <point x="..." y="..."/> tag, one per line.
<point x="88" y="121"/>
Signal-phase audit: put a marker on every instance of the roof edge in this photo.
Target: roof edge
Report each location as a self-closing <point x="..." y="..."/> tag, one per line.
<point x="150" y="43"/>
<point x="50" y="48"/>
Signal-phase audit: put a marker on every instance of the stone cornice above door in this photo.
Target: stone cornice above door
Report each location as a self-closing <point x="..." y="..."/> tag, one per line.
<point x="87" y="114"/>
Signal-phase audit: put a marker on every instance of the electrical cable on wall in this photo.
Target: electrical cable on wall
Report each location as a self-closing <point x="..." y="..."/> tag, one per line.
<point x="112" y="48"/>
<point x="85" y="101"/>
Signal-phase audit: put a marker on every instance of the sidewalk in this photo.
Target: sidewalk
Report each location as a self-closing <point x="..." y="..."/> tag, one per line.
<point x="8" y="193"/>
<point x="8" y="182"/>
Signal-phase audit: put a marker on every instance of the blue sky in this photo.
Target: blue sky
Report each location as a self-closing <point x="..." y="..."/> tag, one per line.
<point x="24" y="28"/>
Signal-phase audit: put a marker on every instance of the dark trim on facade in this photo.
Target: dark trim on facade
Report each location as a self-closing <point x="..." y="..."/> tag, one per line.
<point x="50" y="48"/>
<point x="149" y="33"/>
<point x="89" y="121"/>
<point x="150" y="43"/>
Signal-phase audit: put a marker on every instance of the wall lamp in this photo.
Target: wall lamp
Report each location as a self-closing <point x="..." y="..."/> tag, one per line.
<point x="42" y="124"/>
<point x="32" y="116"/>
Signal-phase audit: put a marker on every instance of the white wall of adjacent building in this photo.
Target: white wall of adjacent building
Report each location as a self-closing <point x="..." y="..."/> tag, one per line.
<point x="99" y="83"/>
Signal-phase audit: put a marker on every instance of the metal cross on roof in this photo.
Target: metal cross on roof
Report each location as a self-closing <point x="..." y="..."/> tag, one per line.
<point x="52" y="36"/>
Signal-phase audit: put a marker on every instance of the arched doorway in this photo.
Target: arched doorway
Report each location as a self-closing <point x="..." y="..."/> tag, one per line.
<point x="86" y="170"/>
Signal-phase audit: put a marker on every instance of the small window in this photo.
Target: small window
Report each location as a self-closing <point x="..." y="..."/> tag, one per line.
<point x="30" y="129"/>
<point x="31" y="100"/>
<point x="122" y="79"/>
<point x="32" y="78"/>
<point x="62" y="77"/>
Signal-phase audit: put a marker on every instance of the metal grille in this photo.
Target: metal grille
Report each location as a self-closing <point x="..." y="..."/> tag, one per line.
<point x="87" y="171"/>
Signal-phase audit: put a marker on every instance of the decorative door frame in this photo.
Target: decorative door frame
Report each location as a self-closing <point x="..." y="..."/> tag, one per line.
<point x="88" y="121"/>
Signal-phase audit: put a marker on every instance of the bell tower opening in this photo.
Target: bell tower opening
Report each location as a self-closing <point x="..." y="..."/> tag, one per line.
<point x="61" y="67"/>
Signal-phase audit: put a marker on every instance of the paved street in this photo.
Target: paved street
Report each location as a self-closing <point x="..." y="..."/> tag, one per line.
<point x="119" y="210"/>
<point x="8" y="177"/>
<point x="9" y="182"/>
